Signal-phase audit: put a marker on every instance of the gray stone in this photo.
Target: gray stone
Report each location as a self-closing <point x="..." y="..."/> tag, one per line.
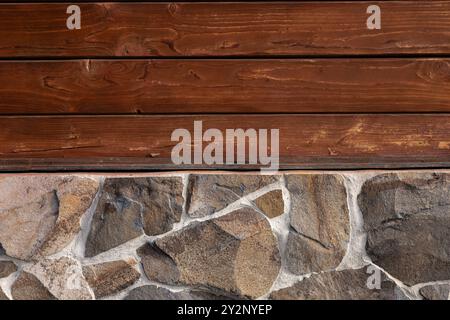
<point x="151" y="292"/>
<point x="340" y="285"/>
<point x="407" y="219"/>
<point x="319" y="215"/>
<point x="209" y="193"/>
<point x="271" y="203"/>
<point x="158" y="265"/>
<point x="28" y="287"/>
<point x="116" y="220"/>
<point x="435" y="292"/>
<point x="40" y="215"/>
<point x="109" y="278"/>
<point x="162" y="199"/>
<point x="6" y="268"/>
<point x="130" y="206"/>
<point x="236" y="253"/>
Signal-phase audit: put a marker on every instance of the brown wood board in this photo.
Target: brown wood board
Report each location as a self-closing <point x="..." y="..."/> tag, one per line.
<point x="224" y="29"/>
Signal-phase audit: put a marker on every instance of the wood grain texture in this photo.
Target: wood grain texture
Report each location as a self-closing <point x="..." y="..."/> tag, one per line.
<point x="143" y="142"/>
<point x="225" y="86"/>
<point x="224" y="29"/>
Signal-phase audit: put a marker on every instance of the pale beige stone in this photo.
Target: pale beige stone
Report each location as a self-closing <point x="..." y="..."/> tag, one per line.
<point x="40" y="215"/>
<point x="63" y="277"/>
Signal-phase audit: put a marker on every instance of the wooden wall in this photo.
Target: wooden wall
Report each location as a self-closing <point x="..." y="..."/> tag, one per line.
<point x="108" y="96"/>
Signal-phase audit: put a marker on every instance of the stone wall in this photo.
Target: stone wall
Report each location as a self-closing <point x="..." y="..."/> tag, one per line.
<point x="296" y="235"/>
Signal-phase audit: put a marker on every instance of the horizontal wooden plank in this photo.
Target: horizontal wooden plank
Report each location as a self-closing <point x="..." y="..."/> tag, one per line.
<point x="144" y="142"/>
<point x="225" y="86"/>
<point x="224" y="29"/>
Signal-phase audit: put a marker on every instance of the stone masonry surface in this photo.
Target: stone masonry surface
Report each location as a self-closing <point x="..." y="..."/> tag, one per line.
<point x="219" y="235"/>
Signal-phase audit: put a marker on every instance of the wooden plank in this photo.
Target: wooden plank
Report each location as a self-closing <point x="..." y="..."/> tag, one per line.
<point x="144" y="142"/>
<point x="225" y="86"/>
<point x="224" y="29"/>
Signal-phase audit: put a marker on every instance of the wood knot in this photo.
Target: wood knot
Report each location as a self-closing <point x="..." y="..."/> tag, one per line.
<point x="172" y="8"/>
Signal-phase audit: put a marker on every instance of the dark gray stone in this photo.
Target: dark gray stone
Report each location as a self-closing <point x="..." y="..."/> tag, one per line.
<point x="340" y="285"/>
<point x="435" y="292"/>
<point x="407" y="219"/>
<point x="151" y="292"/>
<point x="130" y="206"/>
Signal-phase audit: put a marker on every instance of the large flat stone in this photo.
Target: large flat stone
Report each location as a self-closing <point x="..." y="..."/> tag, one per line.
<point x="236" y="254"/>
<point x="319" y="217"/>
<point x="340" y="285"/>
<point x="209" y="193"/>
<point x="109" y="278"/>
<point x="40" y="215"/>
<point x="407" y="219"/>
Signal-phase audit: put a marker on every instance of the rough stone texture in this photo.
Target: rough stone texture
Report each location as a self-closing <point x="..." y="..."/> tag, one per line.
<point x="158" y="265"/>
<point x="28" y="287"/>
<point x="151" y="292"/>
<point x="75" y="196"/>
<point x="339" y="285"/>
<point x="116" y="220"/>
<point x="23" y="229"/>
<point x="163" y="203"/>
<point x="109" y="278"/>
<point x="211" y="193"/>
<point x="63" y="278"/>
<point x="130" y="206"/>
<point x="407" y="219"/>
<point x="435" y="292"/>
<point x="3" y="296"/>
<point x="6" y="268"/>
<point x="41" y="214"/>
<point x="236" y="253"/>
<point x="319" y="215"/>
<point x="271" y="203"/>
